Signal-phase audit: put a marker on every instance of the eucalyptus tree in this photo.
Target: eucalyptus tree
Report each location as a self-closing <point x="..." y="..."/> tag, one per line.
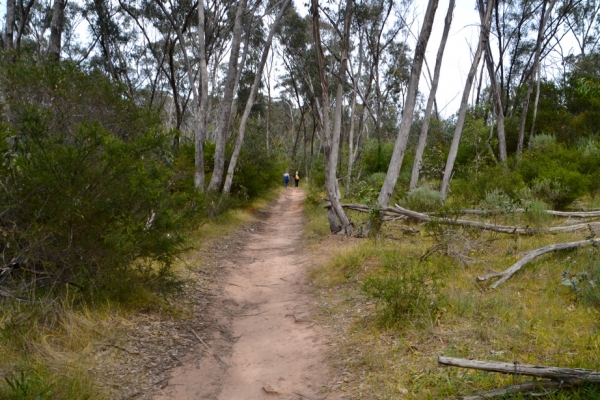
<point x="409" y="105"/>
<point x="10" y="24"/>
<point x="330" y="138"/>
<point x="226" y="105"/>
<point x="535" y="70"/>
<point x="584" y="22"/>
<point x="56" y="29"/>
<point x="414" y="179"/>
<point x="251" y="98"/>
<point x="483" y="38"/>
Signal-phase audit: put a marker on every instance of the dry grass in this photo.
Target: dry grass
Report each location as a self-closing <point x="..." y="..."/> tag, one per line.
<point x="532" y="318"/>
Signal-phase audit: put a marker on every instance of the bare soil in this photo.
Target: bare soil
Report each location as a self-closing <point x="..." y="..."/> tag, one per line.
<point x="259" y="338"/>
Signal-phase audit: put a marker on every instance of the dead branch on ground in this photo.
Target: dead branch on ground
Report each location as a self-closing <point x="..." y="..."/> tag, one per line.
<point x="560" y="378"/>
<point x="506" y="274"/>
<point x="515" y="230"/>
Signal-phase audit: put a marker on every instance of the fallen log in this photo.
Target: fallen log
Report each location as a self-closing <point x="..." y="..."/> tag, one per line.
<point x="515" y="230"/>
<point x="573" y="214"/>
<point x="491" y="227"/>
<point x="526" y="387"/>
<point x="557" y="373"/>
<point x="506" y="274"/>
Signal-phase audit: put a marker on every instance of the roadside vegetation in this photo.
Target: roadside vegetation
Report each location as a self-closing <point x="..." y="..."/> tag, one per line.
<point x="98" y="215"/>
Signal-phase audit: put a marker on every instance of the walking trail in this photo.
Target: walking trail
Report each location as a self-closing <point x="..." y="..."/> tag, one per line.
<point x="264" y="344"/>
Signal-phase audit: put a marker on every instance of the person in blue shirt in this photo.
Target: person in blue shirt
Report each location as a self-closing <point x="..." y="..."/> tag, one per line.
<point x="286" y="179"/>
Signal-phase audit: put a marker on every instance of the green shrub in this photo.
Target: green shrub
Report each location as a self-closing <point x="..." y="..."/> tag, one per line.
<point x="542" y="142"/>
<point x="404" y="290"/>
<point x="557" y="175"/>
<point x="536" y="213"/>
<point x="423" y="199"/>
<point x="498" y="201"/>
<point x="87" y="194"/>
<point x="376" y="156"/>
<point x="475" y="187"/>
<point x="591" y="293"/>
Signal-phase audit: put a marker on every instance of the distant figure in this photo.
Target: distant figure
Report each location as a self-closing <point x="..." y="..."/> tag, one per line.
<point x="296" y="179"/>
<point x="286" y="179"/>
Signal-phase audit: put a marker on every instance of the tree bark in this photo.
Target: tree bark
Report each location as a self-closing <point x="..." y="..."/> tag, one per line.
<point x="200" y="132"/>
<point x="414" y="178"/>
<point x="483" y="36"/>
<point x="56" y="29"/>
<point x="409" y="106"/>
<point x="225" y="120"/>
<point x="251" y="99"/>
<point x="10" y="24"/>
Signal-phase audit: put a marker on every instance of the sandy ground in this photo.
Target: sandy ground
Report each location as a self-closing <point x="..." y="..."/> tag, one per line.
<point x="264" y="343"/>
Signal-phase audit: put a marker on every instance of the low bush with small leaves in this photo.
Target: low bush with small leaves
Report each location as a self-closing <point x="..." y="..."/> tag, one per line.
<point x="423" y="199"/>
<point x="403" y="289"/>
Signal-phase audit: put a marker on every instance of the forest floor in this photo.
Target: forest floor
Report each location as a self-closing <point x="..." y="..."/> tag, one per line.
<point x="259" y="335"/>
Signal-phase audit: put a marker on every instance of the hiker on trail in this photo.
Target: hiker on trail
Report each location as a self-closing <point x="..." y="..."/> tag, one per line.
<point x="296" y="179"/>
<point x="286" y="179"/>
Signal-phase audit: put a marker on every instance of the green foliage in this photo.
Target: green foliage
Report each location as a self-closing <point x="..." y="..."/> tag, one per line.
<point x="88" y="194"/>
<point x="498" y="201"/>
<point x="542" y="142"/>
<point x="476" y="186"/>
<point x="376" y="156"/>
<point x="590" y="292"/>
<point x="368" y="191"/>
<point x="423" y="199"/>
<point x="535" y="213"/>
<point x="404" y="289"/>
<point x="556" y="174"/>
<point x="26" y="387"/>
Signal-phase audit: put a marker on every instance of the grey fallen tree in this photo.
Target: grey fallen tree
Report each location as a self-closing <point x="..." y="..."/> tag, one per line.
<point x="559" y="378"/>
<point x="514" y="230"/>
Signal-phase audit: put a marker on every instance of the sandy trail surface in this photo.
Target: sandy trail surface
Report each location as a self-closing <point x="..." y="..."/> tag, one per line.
<point x="264" y="343"/>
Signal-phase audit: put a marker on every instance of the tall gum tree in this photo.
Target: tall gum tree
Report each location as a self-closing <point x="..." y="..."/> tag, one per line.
<point x="251" y="98"/>
<point x="414" y="178"/>
<point x="409" y="106"/>
<point x="216" y="180"/>
<point x="338" y="220"/>
<point x="462" y="112"/>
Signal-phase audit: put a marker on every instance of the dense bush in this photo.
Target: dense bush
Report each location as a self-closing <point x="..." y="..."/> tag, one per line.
<point x="87" y="195"/>
<point x="556" y="174"/>
<point x="423" y="199"/>
<point x="475" y="187"/>
<point x="404" y="289"/>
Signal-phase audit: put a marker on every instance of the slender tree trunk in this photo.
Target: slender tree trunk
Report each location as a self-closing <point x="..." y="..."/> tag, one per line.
<point x="56" y="29"/>
<point x="535" y="105"/>
<point x="10" y="24"/>
<point x="200" y="132"/>
<point x="219" y="158"/>
<point x="23" y="23"/>
<point x="353" y="114"/>
<point x="499" y="105"/>
<point x="409" y="106"/>
<point x="483" y="37"/>
<point x="414" y="179"/>
<point x="251" y="98"/>
<point x="534" y="71"/>
<point x="338" y="220"/>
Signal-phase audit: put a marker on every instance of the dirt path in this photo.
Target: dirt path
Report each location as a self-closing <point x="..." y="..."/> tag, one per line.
<point x="264" y="343"/>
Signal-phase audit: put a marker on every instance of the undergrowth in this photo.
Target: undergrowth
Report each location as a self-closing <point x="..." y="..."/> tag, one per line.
<point x="398" y="304"/>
